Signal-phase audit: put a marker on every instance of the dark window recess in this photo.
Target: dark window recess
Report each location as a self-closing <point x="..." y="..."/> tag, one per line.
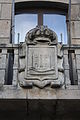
<point x="9" y="68"/>
<point x="72" y="67"/>
<point x="0" y="51"/>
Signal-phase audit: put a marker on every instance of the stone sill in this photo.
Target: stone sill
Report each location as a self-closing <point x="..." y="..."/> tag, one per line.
<point x="11" y="92"/>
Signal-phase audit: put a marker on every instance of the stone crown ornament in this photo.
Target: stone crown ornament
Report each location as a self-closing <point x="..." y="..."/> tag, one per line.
<point x="41" y="34"/>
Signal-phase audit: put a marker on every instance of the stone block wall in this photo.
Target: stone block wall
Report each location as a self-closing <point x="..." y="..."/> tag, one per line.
<point x="5" y="21"/>
<point x="75" y="22"/>
<point x="5" y="33"/>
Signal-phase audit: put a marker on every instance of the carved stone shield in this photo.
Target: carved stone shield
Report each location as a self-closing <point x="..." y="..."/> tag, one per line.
<point x="41" y="63"/>
<point x="41" y="66"/>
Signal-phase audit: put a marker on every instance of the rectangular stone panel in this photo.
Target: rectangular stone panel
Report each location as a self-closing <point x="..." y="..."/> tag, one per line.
<point x="5" y="1"/>
<point x="77" y="51"/>
<point x="15" y="61"/>
<point x="6" y="11"/>
<point x="0" y="10"/>
<point x="75" y="41"/>
<point x="15" y="77"/>
<point x="65" y="52"/>
<point x="4" y="41"/>
<point x="75" y="12"/>
<point x="4" y="28"/>
<point x="75" y="25"/>
<point x="78" y="61"/>
<point x="2" y="76"/>
<point x="67" y="78"/>
<point x="41" y="61"/>
<point x="3" y="59"/>
<point x="66" y="64"/>
<point x="78" y="71"/>
<point x="75" y="1"/>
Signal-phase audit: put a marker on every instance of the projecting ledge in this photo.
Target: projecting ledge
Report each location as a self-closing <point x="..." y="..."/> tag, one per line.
<point x="10" y="92"/>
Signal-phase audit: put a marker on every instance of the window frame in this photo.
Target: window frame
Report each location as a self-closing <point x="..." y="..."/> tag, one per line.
<point x="41" y="8"/>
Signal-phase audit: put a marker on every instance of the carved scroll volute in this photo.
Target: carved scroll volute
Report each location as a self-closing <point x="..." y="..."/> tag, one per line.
<point x="41" y="34"/>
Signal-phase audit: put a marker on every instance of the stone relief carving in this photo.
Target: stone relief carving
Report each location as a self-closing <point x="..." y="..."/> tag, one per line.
<point x="43" y="59"/>
<point x="41" y="34"/>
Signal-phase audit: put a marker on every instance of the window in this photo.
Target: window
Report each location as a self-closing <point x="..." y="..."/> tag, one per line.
<point x="58" y="24"/>
<point x="27" y="18"/>
<point x="24" y="23"/>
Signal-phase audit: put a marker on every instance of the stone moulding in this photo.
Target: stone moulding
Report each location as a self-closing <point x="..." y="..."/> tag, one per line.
<point x="41" y="60"/>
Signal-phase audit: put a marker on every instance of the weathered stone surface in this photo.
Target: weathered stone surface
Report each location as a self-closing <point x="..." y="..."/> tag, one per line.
<point x="78" y="61"/>
<point x="75" y="1"/>
<point x="10" y="92"/>
<point x="22" y="64"/>
<point x="75" y="15"/>
<point x="75" y="41"/>
<point x="43" y="62"/>
<point x="78" y="71"/>
<point x="4" y="51"/>
<point x="4" y="40"/>
<point x="2" y="77"/>
<point x="35" y="103"/>
<point x="16" y="61"/>
<point x="77" y="51"/>
<point x="41" y="94"/>
<point x="4" y="28"/>
<point x="0" y="10"/>
<point x="66" y="62"/>
<point x="72" y="87"/>
<point x="16" y="51"/>
<point x="67" y="78"/>
<point x="6" y="11"/>
<point x="65" y="52"/>
<point x="3" y="59"/>
<point x="21" y="77"/>
<point x="15" y="77"/>
<point x="75" y="25"/>
<point x="5" y="1"/>
<point x="68" y="94"/>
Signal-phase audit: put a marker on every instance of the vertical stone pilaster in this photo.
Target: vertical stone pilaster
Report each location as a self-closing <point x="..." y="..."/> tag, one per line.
<point x="75" y="23"/>
<point x="0" y="10"/>
<point x="66" y="68"/>
<point x="3" y="66"/>
<point x="77" y="52"/>
<point x="15" y="68"/>
<point x="5" y="21"/>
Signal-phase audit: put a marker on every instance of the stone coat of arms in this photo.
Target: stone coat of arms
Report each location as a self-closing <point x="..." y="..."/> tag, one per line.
<point x="41" y="59"/>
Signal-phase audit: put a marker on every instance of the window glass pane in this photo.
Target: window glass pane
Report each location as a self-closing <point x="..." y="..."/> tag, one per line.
<point x="24" y="23"/>
<point x="58" y="24"/>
